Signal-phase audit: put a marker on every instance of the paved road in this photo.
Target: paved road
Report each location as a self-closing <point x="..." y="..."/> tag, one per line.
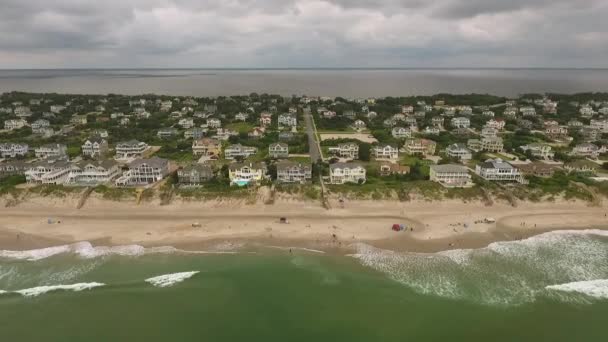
<point x="315" y="154"/>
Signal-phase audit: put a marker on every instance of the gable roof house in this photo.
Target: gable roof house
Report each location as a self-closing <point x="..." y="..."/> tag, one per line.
<point x="587" y="150"/>
<point x="242" y="174"/>
<point x="87" y="172"/>
<point x="424" y="147"/>
<point x="539" y="150"/>
<point x="206" y="147"/>
<point x="290" y="172"/>
<point x="14" y="124"/>
<point x="186" y="123"/>
<point x="234" y="151"/>
<point x="39" y="125"/>
<point x="388" y="169"/>
<point x="48" y="172"/>
<point x="51" y="151"/>
<point x="459" y="151"/>
<point x="450" y="175"/>
<point x="95" y="147"/>
<point x="401" y="133"/>
<point x="460" y="122"/>
<point x="144" y="172"/>
<point x="498" y="170"/>
<point x="166" y="133"/>
<point x="12" y="150"/>
<point x="342" y="173"/>
<point x="131" y="149"/>
<point x="278" y="150"/>
<point x="194" y="175"/>
<point x="346" y="150"/>
<point x="385" y="152"/>
<point x="287" y="120"/>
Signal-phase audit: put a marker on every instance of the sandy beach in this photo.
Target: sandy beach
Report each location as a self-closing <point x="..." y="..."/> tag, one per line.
<point x="432" y="226"/>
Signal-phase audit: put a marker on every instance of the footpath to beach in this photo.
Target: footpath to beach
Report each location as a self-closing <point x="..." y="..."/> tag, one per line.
<point x="431" y="226"/>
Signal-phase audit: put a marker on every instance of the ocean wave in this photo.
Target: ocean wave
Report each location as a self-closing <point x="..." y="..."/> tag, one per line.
<point x="86" y="250"/>
<point x="39" y="290"/>
<point x="167" y="280"/>
<point x="503" y="273"/>
<point x="297" y="249"/>
<point x="592" y="288"/>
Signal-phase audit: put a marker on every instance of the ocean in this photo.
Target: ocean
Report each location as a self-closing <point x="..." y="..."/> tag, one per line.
<point x="352" y="83"/>
<point x="551" y="287"/>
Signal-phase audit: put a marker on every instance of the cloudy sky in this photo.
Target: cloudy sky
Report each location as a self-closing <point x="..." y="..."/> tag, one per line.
<point x="303" y="33"/>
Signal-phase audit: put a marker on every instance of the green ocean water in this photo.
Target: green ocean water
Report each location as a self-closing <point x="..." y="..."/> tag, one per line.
<point x="493" y="294"/>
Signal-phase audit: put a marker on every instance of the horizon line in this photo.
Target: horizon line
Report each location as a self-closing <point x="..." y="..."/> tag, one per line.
<point x="310" y="68"/>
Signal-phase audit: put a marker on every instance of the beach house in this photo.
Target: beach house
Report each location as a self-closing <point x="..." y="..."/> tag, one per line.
<point x="498" y="170"/>
<point x="278" y="150"/>
<point x="385" y="152"/>
<point x="422" y="147"/>
<point x="194" y="133"/>
<point x="51" y="151"/>
<point x="488" y="144"/>
<point x="265" y="119"/>
<point x="166" y="133"/>
<point x="13" y="150"/>
<point x="401" y="133"/>
<point x="290" y="172"/>
<point x="450" y="175"/>
<point x="287" y="120"/>
<point x="186" y="123"/>
<point x="342" y="173"/>
<point x="95" y="147"/>
<point x="587" y="150"/>
<point x="194" y="175"/>
<point x="131" y="149"/>
<point x="239" y="151"/>
<point x="246" y="173"/>
<point x="214" y="123"/>
<point x="556" y="132"/>
<point x="348" y="151"/>
<point x="144" y="172"/>
<point x="460" y="122"/>
<point x="386" y="168"/>
<point x="538" y="150"/>
<point x="87" y="172"/>
<point x="459" y="151"/>
<point x="14" y="124"/>
<point x="206" y="147"/>
<point x="48" y="172"/>
<point x="39" y="125"/>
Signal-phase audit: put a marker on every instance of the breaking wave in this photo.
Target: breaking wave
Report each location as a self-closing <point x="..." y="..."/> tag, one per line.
<point x="167" y="280"/>
<point x="504" y="273"/>
<point x="592" y="288"/>
<point x="86" y="250"/>
<point x="36" y="291"/>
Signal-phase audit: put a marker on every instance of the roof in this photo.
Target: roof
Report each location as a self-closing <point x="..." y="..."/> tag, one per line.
<point x="96" y="139"/>
<point x="451" y="168"/>
<point x="280" y="144"/>
<point x="202" y="168"/>
<point x="345" y="166"/>
<point x="154" y="162"/>
<point x="238" y="166"/>
<point x="132" y="142"/>
<point x="108" y="163"/>
<point x="496" y="164"/>
<point x="288" y="164"/>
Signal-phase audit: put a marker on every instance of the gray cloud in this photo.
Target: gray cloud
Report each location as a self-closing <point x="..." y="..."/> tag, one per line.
<point x="303" y="33"/>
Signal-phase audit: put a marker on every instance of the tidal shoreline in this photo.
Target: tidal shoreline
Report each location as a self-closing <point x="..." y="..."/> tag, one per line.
<point x="431" y="226"/>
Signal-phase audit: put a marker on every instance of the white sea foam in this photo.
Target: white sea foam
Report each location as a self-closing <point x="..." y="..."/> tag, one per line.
<point x="593" y="288"/>
<point x="86" y="250"/>
<point x="504" y="273"/>
<point x="3" y="292"/>
<point x="297" y="249"/>
<point x="167" y="280"/>
<point x="36" y="291"/>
